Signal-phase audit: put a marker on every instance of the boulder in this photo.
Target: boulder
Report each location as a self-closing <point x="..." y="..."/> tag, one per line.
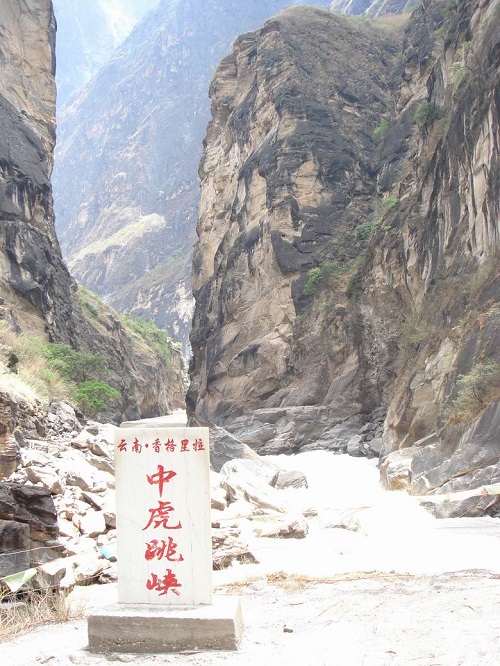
<point x="92" y="523"/>
<point x="289" y="479"/>
<point x="258" y="470"/>
<point x="355" y="446"/>
<point x="395" y="470"/>
<point x="226" y="548"/>
<point x="264" y="497"/>
<point x="47" y="477"/>
<point x="223" y="446"/>
<point x="282" y="528"/>
<point x="88" y="567"/>
<point x="62" y="418"/>
<point x="15" y="543"/>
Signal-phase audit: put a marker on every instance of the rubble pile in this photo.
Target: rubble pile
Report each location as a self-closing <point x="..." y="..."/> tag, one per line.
<point x="58" y="515"/>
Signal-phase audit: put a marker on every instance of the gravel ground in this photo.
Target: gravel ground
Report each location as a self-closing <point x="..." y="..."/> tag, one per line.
<point x="352" y="620"/>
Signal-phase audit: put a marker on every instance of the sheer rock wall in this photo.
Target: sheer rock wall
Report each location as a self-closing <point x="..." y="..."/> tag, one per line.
<point x="400" y="229"/>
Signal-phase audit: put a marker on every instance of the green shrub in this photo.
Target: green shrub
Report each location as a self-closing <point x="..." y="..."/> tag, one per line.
<point x="327" y="271"/>
<point x="74" y="366"/>
<point x="93" y="397"/>
<point x="390" y="202"/>
<point x="380" y="131"/>
<point x="366" y="230"/>
<point x="425" y="114"/>
<point x="156" y="337"/>
<point x="475" y="391"/>
<point x="314" y="276"/>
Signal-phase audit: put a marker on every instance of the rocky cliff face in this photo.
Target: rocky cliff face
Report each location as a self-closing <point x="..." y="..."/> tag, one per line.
<point x="126" y="183"/>
<point x="288" y="176"/>
<point x="38" y="296"/>
<point x="374" y="8"/>
<point x="87" y="36"/>
<point x="35" y="284"/>
<point x="345" y="268"/>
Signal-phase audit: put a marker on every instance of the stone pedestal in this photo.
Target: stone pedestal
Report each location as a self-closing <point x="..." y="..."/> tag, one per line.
<point x="153" y="629"/>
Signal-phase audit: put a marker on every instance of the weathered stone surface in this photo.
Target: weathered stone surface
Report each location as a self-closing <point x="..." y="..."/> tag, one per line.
<point x="223" y="445"/>
<point x="227" y="548"/>
<point x="274" y="195"/>
<point x="10" y="456"/>
<point x="374" y="7"/>
<point x="289" y="479"/>
<point x="291" y="323"/>
<point x="124" y="201"/>
<point x="279" y="528"/>
<point x="46" y="477"/>
<point x="38" y="295"/>
<point x="452" y="464"/>
<point x="15" y="543"/>
<point x="395" y="470"/>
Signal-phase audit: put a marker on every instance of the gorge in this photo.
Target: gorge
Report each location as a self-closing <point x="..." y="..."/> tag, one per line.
<point x="345" y="272"/>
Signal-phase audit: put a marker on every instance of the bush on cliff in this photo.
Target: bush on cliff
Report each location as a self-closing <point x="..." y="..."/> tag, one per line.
<point x="93" y="397"/>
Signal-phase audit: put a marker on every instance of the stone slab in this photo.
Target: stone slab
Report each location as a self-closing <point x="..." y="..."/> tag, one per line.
<point x="140" y="628"/>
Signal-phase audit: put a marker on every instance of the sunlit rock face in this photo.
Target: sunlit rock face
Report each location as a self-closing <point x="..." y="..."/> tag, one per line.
<point x="287" y="176"/>
<point x="34" y="284"/>
<point x="126" y="183"/>
<point x="347" y="261"/>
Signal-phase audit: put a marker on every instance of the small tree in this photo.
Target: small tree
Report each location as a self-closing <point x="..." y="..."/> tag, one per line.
<point x="426" y="114"/>
<point x="475" y="391"/>
<point x="93" y="397"/>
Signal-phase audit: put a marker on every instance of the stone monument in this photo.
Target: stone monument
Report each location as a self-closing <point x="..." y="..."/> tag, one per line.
<point x="164" y="549"/>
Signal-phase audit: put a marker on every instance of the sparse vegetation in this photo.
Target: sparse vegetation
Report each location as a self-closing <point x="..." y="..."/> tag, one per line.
<point x="327" y="274"/>
<point x="414" y="332"/>
<point x="380" y="131"/>
<point x="154" y="336"/>
<point x="55" y="371"/>
<point x="425" y="114"/>
<point x="391" y="202"/>
<point x="476" y="390"/>
<point x="34" y="608"/>
<point x="365" y="231"/>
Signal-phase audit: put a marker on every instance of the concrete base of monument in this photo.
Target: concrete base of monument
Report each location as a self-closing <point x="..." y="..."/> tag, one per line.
<point x="155" y="629"/>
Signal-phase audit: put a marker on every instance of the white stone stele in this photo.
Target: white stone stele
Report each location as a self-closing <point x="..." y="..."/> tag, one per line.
<point x="144" y="517"/>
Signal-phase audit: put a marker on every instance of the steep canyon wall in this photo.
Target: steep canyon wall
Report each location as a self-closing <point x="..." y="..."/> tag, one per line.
<point x="346" y="269"/>
<point x="37" y="294"/>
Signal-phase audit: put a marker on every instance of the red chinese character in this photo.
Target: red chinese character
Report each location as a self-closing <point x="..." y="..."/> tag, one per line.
<point x="156" y="445"/>
<point x="198" y="445"/>
<point x="136" y="448"/>
<point x="160" y="478"/>
<point x="160" y="516"/>
<point x="122" y="446"/>
<point x="184" y="445"/>
<point x="169" y="445"/>
<point x="161" y="549"/>
<point x="168" y="582"/>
